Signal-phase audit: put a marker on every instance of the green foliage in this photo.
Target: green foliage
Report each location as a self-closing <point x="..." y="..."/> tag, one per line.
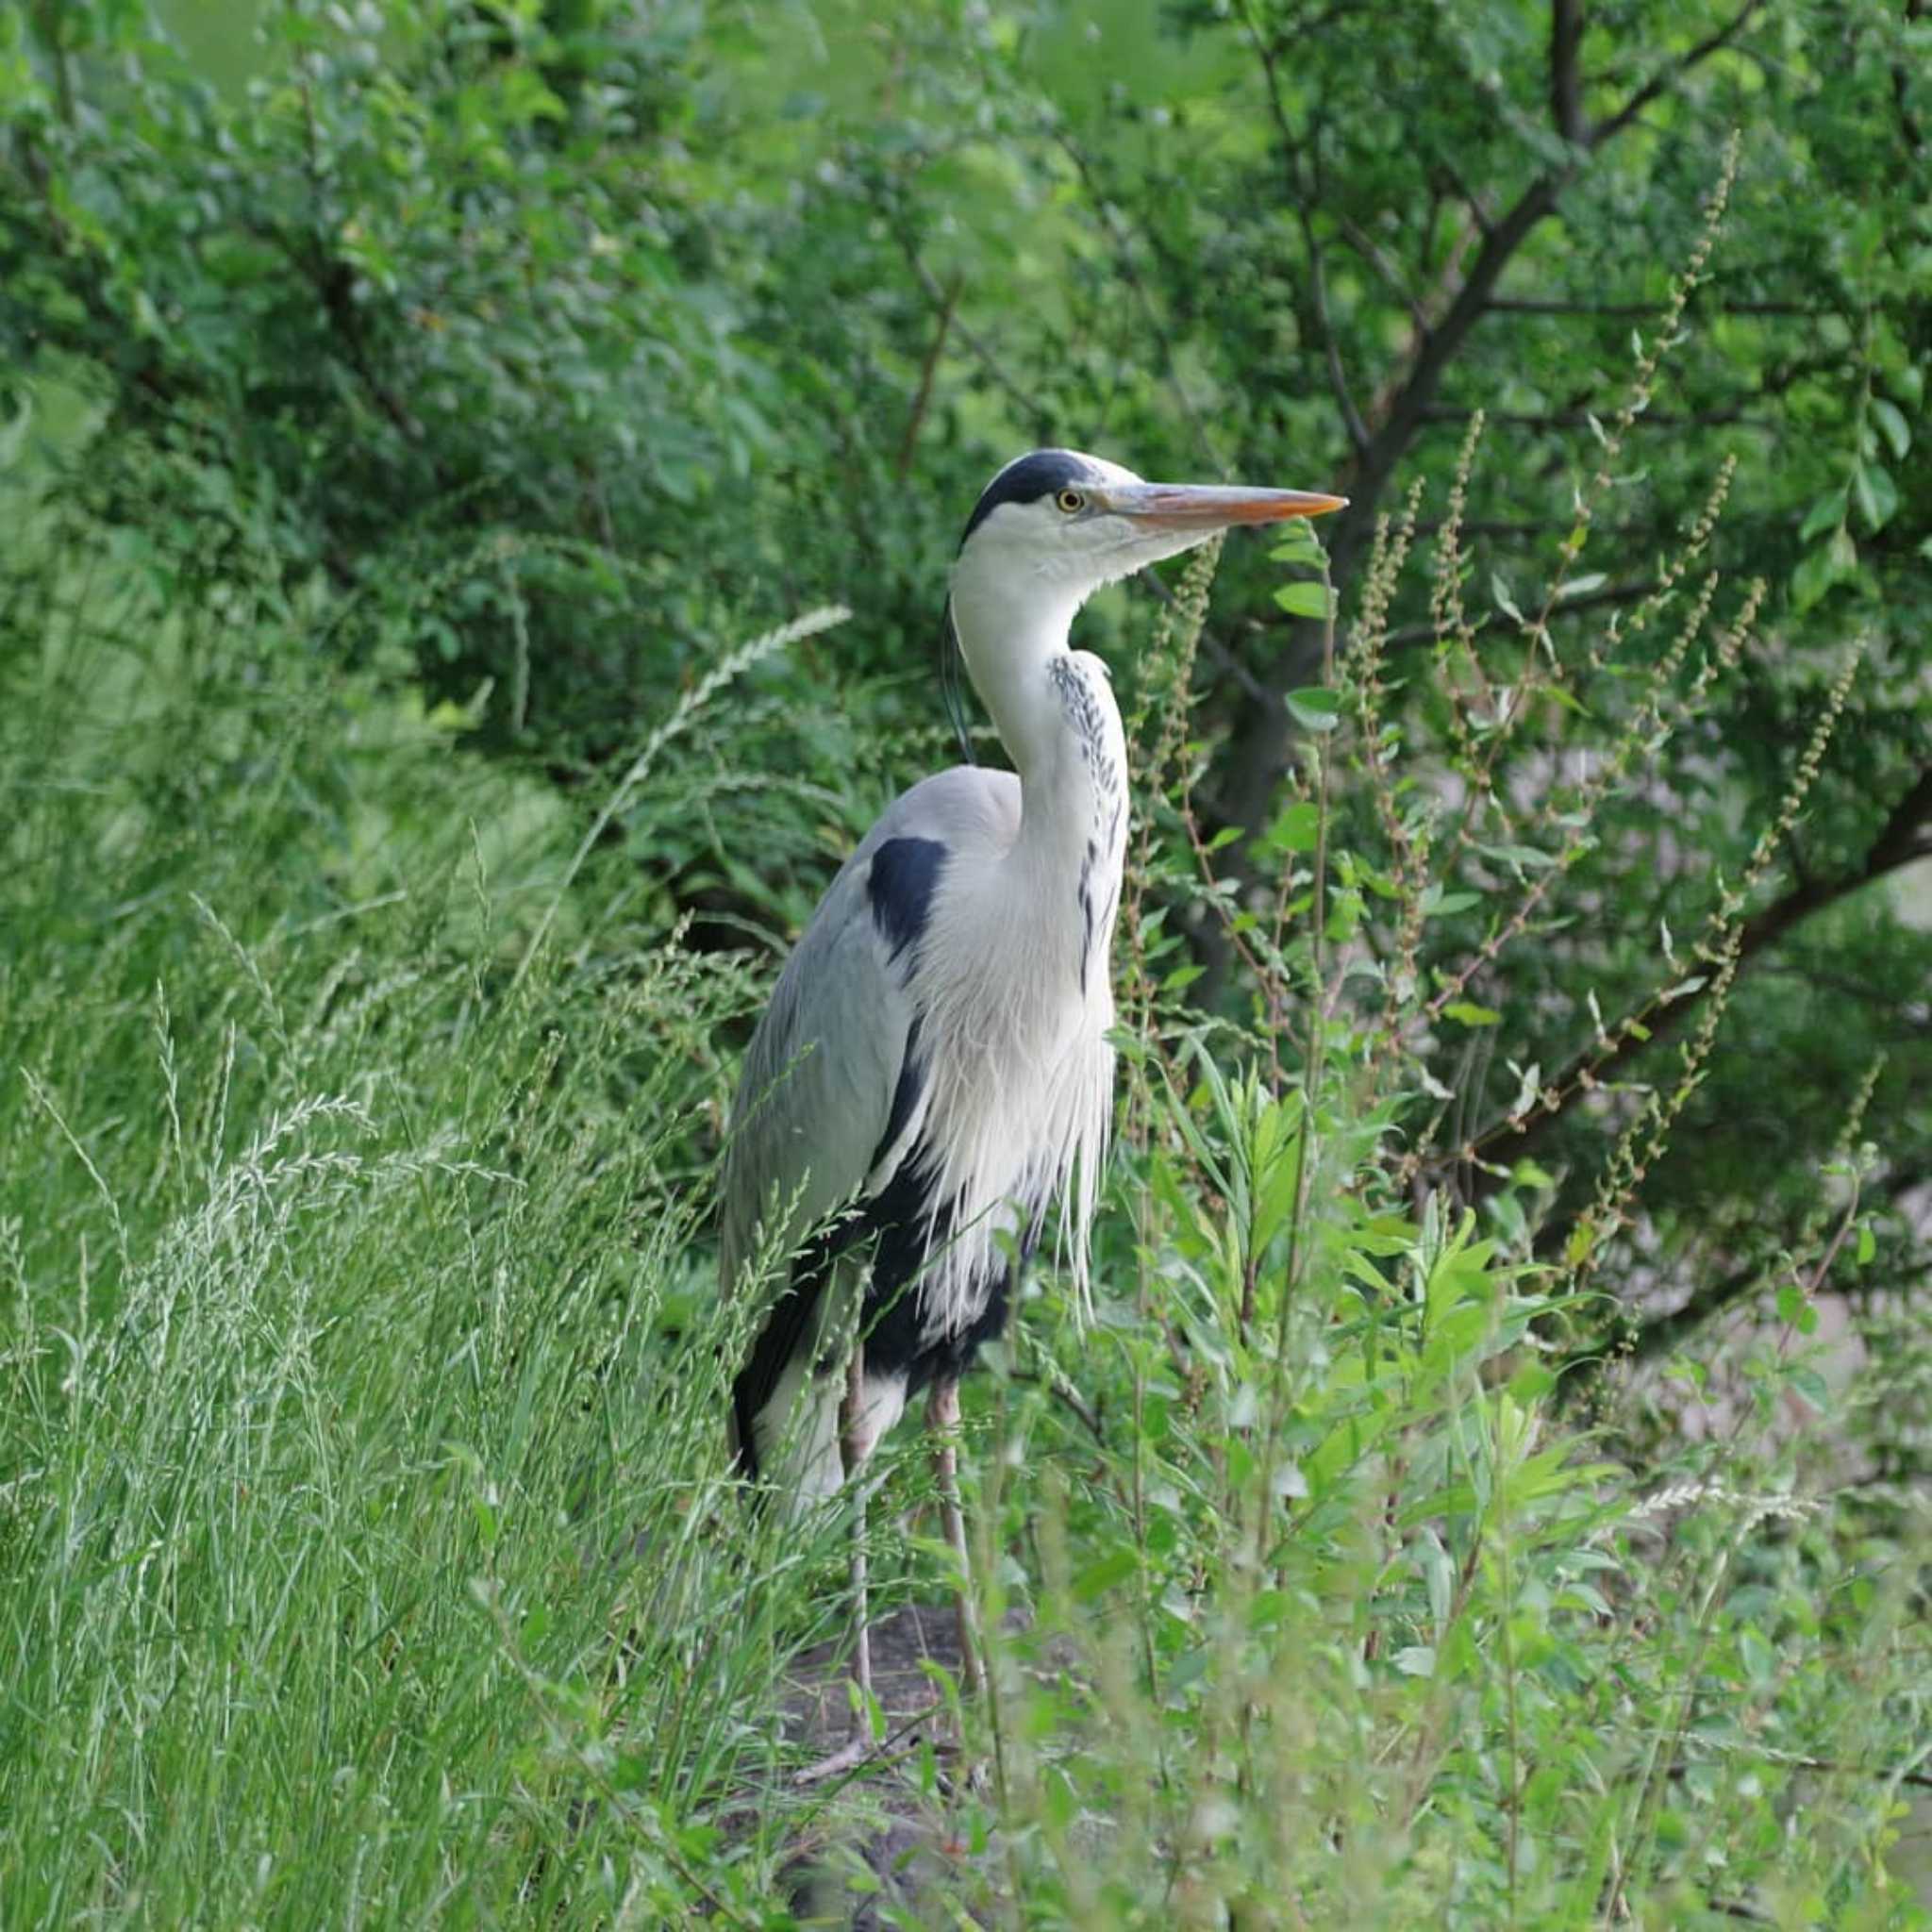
<point x="343" y="1261"/>
<point x="421" y="431"/>
<point x="1366" y="1633"/>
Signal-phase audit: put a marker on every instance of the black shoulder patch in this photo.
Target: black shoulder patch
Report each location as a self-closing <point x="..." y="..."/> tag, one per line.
<point x="900" y="889"/>
<point x="1025" y="480"/>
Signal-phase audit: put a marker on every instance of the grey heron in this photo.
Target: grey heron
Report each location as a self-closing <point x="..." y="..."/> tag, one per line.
<point x="934" y="1070"/>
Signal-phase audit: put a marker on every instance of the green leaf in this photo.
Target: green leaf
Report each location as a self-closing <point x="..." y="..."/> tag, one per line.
<point x="1578" y="1595"/>
<point x="1439" y="1575"/>
<point x="1454" y="1499"/>
<point x="1298" y="544"/>
<point x="1344" y="915"/>
<point x="1296" y="828"/>
<point x="1525" y="858"/>
<point x="1102" y="1575"/>
<point x="1876" y="494"/>
<point x="1532" y="1381"/>
<point x="1314" y="708"/>
<point x="13" y="434"/>
<point x="1810" y="580"/>
<point x="1827" y="513"/>
<point x="1528" y="1088"/>
<point x="1306" y="598"/>
<point x="1821" y="568"/>
<point x="1583" y="586"/>
<point x="1811" y="1386"/>
<point x="1892" y="424"/>
<point x="1469" y="1014"/>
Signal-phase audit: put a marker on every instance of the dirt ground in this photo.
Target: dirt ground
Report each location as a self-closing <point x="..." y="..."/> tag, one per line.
<point x="886" y="1842"/>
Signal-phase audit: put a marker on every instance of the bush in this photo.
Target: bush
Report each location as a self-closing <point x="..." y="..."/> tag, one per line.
<point x="405" y="459"/>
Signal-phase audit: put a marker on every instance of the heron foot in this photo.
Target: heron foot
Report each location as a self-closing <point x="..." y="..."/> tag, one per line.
<point x="848" y="1756"/>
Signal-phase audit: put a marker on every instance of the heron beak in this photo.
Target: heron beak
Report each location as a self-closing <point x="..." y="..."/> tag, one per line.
<point x="1206" y="506"/>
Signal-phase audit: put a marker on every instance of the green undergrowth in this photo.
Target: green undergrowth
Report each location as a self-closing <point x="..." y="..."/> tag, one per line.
<point x="1334" y="1617"/>
<point x="1491" y="1487"/>
<point x="368" y="1553"/>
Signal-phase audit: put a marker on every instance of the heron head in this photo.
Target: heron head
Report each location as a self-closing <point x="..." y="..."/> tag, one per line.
<point x="1067" y="522"/>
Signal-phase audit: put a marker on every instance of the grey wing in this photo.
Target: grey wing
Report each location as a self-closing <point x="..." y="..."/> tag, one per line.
<point x="833" y="1090"/>
<point x="817" y="1086"/>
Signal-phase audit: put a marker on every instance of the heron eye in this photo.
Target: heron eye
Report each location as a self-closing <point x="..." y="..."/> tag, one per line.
<point x="1071" y="500"/>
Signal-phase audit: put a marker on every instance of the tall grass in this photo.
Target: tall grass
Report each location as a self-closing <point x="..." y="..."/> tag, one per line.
<point x="361" y="1381"/>
<point x="367" y="1549"/>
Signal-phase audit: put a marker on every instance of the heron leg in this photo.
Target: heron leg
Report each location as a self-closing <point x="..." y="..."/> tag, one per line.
<point x="942" y="1420"/>
<point x="855" y="1438"/>
<point x="852" y="1448"/>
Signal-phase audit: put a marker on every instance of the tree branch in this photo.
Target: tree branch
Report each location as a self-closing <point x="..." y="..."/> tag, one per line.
<point x="1901" y="87"/>
<point x="1378" y="260"/>
<point x="1645" y="1340"/>
<point x="1106" y="212"/>
<point x="1411" y="634"/>
<point x="1639" y="311"/>
<point x="1262" y="744"/>
<point x="1667" y="76"/>
<point x="1337" y="381"/>
<point x="1259" y="755"/>
<point x="1905" y="838"/>
<point x="1579" y="419"/>
<point x="1566" y="84"/>
<point x="923" y="399"/>
<point x="1029" y="405"/>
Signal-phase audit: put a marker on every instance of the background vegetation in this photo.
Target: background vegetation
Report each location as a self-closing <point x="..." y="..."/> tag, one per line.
<point x="1495" y="1492"/>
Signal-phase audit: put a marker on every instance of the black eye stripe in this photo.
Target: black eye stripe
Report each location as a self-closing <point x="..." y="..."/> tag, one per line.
<point x="1044" y="472"/>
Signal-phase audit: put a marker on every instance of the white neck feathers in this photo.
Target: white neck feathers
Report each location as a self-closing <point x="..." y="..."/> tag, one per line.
<point x="1010" y="624"/>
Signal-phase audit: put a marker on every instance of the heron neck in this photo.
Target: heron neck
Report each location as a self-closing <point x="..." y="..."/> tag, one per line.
<point x="1056" y="717"/>
<point x="1008" y="634"/>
